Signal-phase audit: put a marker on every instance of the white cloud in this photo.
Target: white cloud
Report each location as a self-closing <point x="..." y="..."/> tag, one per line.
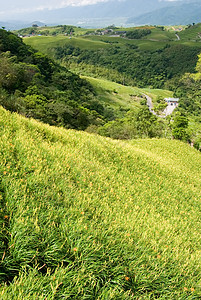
<point x="170" y="0"/>
<point x="41" y="4"/>
<point x="16" y="7"/>
<point x="80" y="2"/>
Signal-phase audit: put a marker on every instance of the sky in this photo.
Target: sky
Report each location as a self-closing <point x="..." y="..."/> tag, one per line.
<point x="22" y="6"/>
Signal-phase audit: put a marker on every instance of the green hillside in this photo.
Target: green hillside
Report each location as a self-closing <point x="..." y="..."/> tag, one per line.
<point x="128" y="97"/>
<point x="86" y="217"/>
<point x="152" y="59"/>
<point x="46" y="43"/>
<point x="192" y="33"/>
<point x="43" y="43"/>
<point x="158" y="38"/>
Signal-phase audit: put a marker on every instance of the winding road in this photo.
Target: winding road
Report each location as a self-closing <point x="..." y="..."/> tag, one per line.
<point x="178" y="37"/>
<point x="167" y="111"/>
<point x="150" y="104"/>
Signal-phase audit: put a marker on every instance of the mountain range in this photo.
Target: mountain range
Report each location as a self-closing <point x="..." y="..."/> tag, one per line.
<point x="120" y="13"/>
<point x="176" y="14"/>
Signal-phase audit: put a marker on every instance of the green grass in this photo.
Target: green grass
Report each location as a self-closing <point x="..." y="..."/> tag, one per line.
<point x="125" y="96"/>
<point x="154" y="93"/>
<point x="143" y="44"/>
<point x="161" y="35"/>
<point x="46" y="43"/>
<point x="115" y="94"/>
<point x="87" y="217"/>
<point x="191" y="34"/>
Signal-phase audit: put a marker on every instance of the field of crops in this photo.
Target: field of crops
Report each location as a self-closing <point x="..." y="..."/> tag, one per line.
<point x="86" y="217"/>
<point x="46" y="43"/>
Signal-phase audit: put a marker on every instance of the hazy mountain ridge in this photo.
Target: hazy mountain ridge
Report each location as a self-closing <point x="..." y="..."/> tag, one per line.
<point x="178" y="13"/>
<point x="133" y="11"/>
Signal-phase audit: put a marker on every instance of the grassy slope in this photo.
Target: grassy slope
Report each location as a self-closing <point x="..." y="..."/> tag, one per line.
<point x="85" y="217"/>
<point x="126" y="96"/>
<point x="45" y="43"/>
<point x="191" y="33"/>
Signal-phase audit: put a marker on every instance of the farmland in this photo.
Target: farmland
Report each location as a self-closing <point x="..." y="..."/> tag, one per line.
<point x="87" y="217"/>
<point x="81" y="38"/>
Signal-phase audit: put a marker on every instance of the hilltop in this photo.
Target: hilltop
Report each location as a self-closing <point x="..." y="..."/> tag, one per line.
<point x="85" y="216"/>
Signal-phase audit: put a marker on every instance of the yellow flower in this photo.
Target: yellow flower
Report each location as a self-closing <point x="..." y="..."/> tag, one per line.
<point x="75" y="249"/>
<point x="127" y="278"/>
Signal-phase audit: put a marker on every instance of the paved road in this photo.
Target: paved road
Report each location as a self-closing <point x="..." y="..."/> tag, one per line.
<point x="167" y="111"/>
<point x="178" y="37"/>
<point x="150" y="104"/>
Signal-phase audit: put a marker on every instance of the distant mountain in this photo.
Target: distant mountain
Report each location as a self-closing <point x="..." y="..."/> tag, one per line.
<point x="177" y="13"/>
<point x="111" y="10"/>
<point x="14" y="25"/>
<point x="130" y="12"/>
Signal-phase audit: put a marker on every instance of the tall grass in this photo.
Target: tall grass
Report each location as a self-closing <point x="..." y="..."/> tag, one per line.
<point x="86" y="217"/>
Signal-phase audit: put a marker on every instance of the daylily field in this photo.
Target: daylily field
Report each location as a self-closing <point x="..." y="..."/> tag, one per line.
<point x="87" y="217"/>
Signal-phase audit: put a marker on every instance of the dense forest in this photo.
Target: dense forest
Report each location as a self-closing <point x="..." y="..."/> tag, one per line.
<point x="154" y="68"/>
<point x="34" y="85"/>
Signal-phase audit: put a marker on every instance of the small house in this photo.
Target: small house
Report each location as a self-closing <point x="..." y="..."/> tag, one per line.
<point x="172" y="101"/>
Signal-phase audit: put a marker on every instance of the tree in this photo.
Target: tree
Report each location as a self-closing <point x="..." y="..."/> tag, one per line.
<point x="179" y="127"/>
<point x="145" y="122"/>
